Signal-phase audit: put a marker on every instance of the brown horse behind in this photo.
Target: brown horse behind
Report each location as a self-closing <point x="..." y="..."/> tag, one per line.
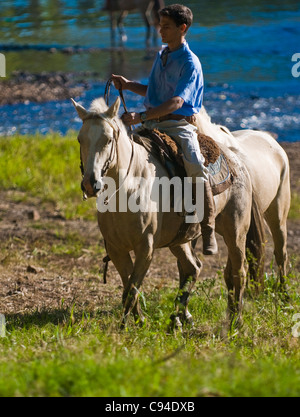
<point x="148" y="8"/>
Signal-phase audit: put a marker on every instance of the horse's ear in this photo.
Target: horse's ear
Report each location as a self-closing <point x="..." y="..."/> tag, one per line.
<point x="81" y="111"/>
<point x="114" y="109"/>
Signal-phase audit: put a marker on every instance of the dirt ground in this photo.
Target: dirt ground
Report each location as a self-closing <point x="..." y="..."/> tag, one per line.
<point x="39" y="272"/>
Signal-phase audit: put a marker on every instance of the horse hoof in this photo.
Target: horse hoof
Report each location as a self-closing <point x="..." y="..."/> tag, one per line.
<point x="189" y="319"/>
<point x="123" y="323"/>
<point x="140" y="321"/>
<point x="284" y="295"/>
<point x="175" y="324"/>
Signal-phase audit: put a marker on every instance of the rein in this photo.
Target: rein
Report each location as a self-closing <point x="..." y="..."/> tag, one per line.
<point x="114" y="152"/>
<point x="107" y="93"/>
<point x="106" y="98"/>
<point x="115" y="141"/>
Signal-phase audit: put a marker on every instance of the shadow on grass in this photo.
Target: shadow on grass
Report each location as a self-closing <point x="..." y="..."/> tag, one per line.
<point x="59" y="316"/>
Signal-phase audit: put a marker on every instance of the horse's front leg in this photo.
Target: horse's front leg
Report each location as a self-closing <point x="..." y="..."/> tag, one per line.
<point x="189" y="267"/>
<point x="113" y="26"/>
<point x="144" y="256"/>
<point x="124" y="265"/>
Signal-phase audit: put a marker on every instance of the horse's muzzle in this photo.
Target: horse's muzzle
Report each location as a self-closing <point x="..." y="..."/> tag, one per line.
<point x="89" y="186"/>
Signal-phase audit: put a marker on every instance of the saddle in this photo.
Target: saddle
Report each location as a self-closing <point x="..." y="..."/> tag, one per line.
<point x="221" y="176"/>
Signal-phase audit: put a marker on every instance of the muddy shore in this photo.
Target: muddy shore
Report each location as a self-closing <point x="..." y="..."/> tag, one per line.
<point x="24" y="87"/>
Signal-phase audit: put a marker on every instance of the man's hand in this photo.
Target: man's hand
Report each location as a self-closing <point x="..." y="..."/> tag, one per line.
<point x="131" y="118"/>
<point x="120" y="82"/>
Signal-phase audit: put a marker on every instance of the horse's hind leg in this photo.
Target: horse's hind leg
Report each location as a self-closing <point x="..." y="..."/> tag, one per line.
<point x="278" y="229"/>
<point x="235" y="278"/>
<point x="276" y="217"/>
<point x="189" y="267"/>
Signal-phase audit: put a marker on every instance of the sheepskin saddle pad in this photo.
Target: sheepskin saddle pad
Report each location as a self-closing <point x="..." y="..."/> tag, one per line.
<point x="168" y="151"/>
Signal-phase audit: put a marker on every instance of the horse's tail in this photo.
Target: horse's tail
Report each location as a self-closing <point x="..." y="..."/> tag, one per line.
<point x="255" y="246"/>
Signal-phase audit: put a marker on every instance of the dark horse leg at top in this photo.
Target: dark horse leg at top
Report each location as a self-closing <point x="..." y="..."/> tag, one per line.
<point x="149" y="10"/>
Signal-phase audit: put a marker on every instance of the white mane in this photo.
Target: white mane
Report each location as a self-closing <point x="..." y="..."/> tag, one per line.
<point x="98" y="106"/>
<point x="218" y="132"/>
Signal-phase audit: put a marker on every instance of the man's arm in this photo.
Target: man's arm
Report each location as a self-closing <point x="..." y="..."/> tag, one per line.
<point x="122" y="82"/>
<point x="168" y="107"/>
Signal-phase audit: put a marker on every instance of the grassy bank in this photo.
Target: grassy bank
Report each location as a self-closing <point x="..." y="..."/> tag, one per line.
<point x="47" y="168"/>
<point x="69" y="352"/>
<point x="62" y="334"/>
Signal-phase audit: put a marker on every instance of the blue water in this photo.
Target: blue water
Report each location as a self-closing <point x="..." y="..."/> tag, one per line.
<point x="246" y="50"/>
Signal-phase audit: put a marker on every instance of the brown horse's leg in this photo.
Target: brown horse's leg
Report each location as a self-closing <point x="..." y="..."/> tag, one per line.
<point x="122" y="33"/>
<point x="147" y="20"/>
<point x="113" y="25"/>
<point x="158" y="5"/>
<point x="189" y="267"/>
<point x="144" y="256"/>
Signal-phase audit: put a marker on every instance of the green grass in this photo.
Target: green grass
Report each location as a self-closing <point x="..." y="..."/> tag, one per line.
<point x="46" y="167"/>
<point x="294" y="213"/>
<point x="72" y="352"/>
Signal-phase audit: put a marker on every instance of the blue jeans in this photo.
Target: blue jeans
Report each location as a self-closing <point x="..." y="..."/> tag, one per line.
<point x="186" y="136"/>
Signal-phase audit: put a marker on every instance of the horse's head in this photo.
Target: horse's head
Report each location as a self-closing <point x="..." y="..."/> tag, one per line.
<point x="97" y="138"/>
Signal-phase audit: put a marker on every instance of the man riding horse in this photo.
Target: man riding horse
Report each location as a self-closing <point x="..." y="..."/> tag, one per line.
<point x="172" y="98"/>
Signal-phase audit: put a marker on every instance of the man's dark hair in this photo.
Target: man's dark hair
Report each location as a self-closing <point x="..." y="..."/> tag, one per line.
<point x="179" y="14"/>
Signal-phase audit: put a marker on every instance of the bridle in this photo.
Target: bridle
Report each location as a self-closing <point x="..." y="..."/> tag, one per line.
<point x="114" y="147"/>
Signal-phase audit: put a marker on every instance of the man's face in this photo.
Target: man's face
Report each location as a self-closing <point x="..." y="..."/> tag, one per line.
<point x="169" y="31"/>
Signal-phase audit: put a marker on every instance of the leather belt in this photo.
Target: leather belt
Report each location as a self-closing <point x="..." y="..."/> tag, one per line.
<point x="178" y="117"/>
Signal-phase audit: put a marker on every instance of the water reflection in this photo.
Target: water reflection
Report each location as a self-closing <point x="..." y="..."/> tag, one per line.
<point x="244" y="46"/>
<point x="215" y="11"/>
<point x="61" y="21"/>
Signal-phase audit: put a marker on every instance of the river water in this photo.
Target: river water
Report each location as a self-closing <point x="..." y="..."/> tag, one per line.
<point x="245" y="47"/>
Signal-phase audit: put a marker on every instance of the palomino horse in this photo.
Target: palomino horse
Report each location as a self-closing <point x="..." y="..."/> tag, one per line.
<point x="148" y="8"/>
<point x="269" y="169"/>
<point x="106" y="151"/>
